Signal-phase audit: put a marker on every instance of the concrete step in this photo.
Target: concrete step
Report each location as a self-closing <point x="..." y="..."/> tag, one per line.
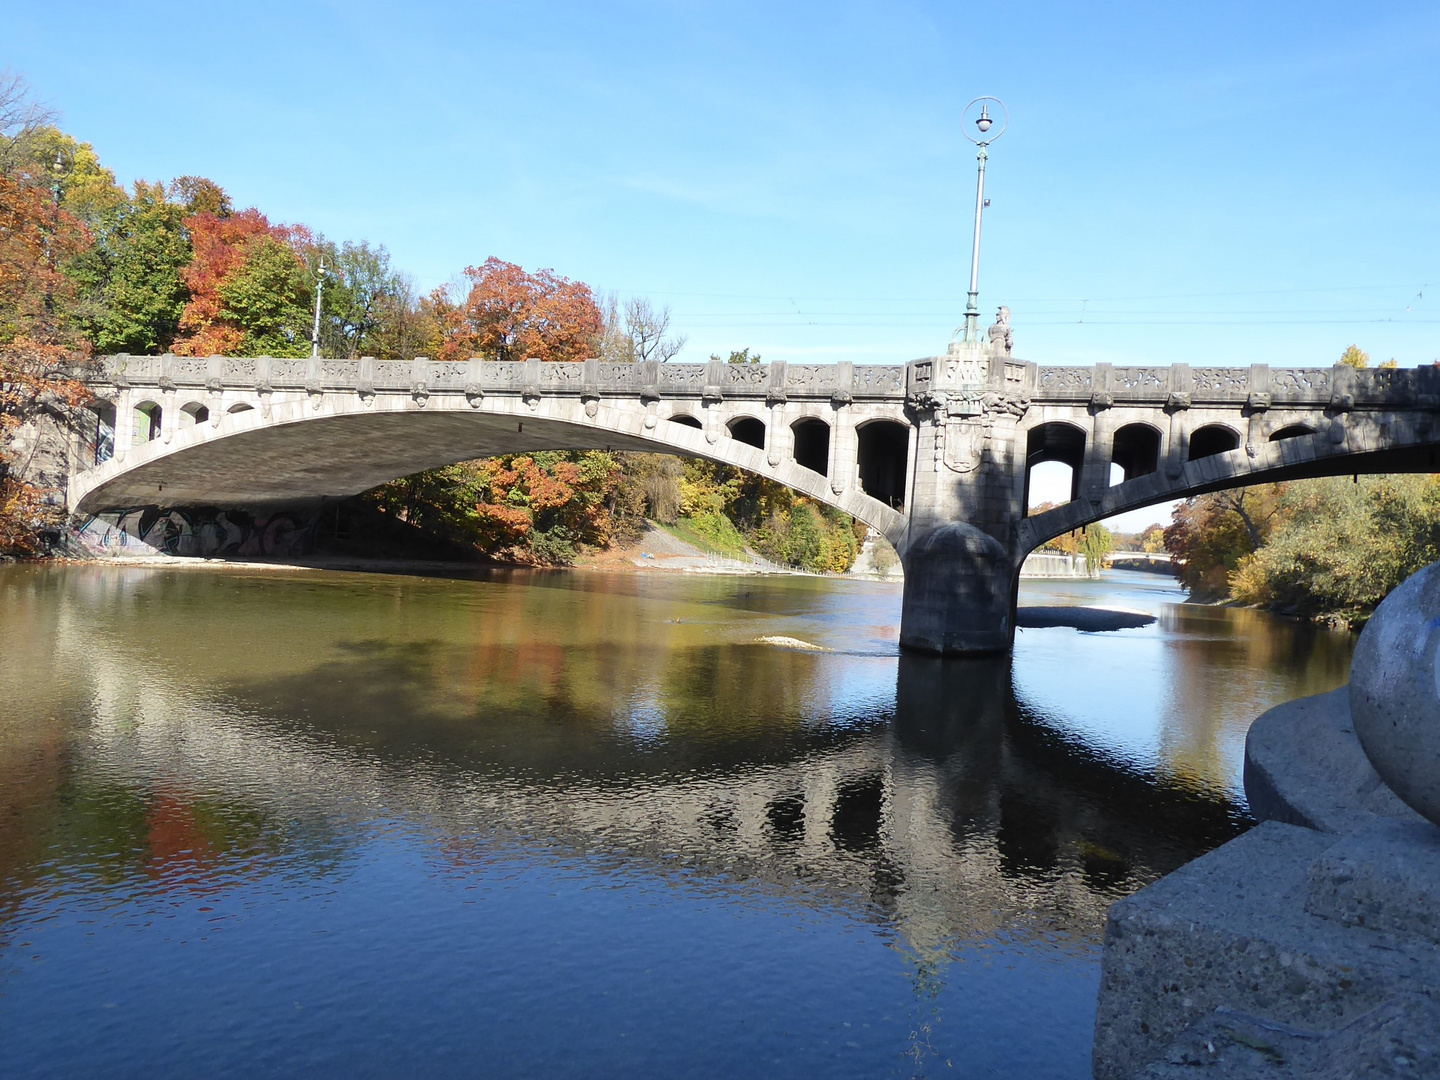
<point x="1238" y="930"/>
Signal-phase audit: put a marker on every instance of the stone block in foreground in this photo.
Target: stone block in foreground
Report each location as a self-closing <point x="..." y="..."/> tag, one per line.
<point x="1309" y="947"/>
<point x="1232" y="931"/>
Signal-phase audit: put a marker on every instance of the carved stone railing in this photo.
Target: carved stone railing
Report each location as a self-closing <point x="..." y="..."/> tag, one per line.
<point x="778" y="381"/>
<point x="1177" y="386"/>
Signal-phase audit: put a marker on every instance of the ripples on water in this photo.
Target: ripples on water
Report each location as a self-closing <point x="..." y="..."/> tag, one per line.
<point x="305" y="824"/>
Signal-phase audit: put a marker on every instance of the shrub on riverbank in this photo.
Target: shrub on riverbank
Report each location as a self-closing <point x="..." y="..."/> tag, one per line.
<point x="1328" y="549"/>
<point x="1209" y="535"/>
<point x="1339" y="546"/>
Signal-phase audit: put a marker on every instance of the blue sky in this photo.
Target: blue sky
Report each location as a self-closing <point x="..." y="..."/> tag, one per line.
<point x="1206" y="183"/>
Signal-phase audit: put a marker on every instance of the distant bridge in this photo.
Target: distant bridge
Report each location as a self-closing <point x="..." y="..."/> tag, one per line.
<point x="936" y="454"/>
<point x="1154" y="562"/>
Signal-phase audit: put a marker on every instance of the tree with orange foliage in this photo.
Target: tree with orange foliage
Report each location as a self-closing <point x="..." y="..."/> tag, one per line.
<point x="39" y="354"/>
<point x="511" y="314"/>
<point x="533" y="509"/>
<point x="224" y="245"/>
<point x="544" y="507"/>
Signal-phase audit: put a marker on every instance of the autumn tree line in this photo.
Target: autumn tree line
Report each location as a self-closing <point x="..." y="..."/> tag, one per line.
<point x="89" y="267"/>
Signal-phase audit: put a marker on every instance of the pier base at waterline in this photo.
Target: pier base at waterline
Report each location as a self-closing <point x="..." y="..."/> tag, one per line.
<point x="959" y="592"/>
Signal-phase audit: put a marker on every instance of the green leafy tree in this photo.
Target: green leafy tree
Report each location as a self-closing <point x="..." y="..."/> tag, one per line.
<point x="739" y="356"/>
<point x="362" y="294"/>
<point x="144" y="291"/>
<point x="1339" y="547"/>
<point x="269" y="298"/>
<point x="1096" y="541"/>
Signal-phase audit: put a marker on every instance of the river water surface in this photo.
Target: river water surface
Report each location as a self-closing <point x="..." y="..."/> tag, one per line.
<point x="257" y="822"/>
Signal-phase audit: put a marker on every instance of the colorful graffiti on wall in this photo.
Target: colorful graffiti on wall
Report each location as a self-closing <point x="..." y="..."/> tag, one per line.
<point x="203" y="532"/>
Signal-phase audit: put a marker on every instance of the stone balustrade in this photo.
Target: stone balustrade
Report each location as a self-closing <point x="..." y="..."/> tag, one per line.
<point x="1257" y="387"/>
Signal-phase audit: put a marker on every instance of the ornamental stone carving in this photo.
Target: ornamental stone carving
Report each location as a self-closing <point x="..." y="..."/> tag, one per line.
<point x="964" y="445"/>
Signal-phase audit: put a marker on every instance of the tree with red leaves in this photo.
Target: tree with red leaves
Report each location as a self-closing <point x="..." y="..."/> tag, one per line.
<point x="225" y="246"/>
<point x="512" y="314"/>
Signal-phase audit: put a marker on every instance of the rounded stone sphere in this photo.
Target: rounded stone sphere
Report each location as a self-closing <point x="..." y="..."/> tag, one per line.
<point x="1395" y="691"/>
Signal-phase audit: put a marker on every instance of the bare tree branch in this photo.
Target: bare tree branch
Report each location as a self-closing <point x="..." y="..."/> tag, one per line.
<point x="647" y="327"/>
<point x="21" y="116"/>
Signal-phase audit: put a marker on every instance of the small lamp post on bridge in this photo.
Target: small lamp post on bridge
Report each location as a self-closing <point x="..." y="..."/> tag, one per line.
<point x="984" y="122"/>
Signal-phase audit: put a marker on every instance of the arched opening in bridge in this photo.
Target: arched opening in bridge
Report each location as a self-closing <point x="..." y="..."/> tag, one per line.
<point x="1212" y="439"/>
<point x="1136" y="451"/>
<point x="1054" y="454"/>
<point x="1294" y="431"/>
<point x="192" y="413"/>
<point x="884" y="452"/>
<point x="685" y="421"/>
<point x="812" y="444"/>
<point x="146" y="422"/>
<point x="104" y="438"/>
<point x="748" y="430"/>
<point x="239" y="407"/>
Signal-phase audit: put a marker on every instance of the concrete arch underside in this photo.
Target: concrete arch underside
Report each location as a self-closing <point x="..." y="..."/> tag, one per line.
<point x="291" y="450"/>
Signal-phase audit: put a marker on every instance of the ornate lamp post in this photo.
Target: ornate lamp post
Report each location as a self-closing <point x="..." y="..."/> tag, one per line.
<point x="319" y="291"/>
<point x="984" y="122"/>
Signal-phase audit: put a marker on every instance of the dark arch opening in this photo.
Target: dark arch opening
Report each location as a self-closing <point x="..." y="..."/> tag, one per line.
<point x="1294" y="431"/>
<point x="1136" y="450"/>
<point x="748" y="430"/>
<point x="1055" y="441"/>
<point x="884" y="452"/>
<point x="146" y="419"/>
<point x="194" y="413"/>
<point x="686" y="421"/>
<point x="104" y="441"/>
<point x="1212" y="439"/>
<point x="240" y="407"/>
<point x="812" y="445"/>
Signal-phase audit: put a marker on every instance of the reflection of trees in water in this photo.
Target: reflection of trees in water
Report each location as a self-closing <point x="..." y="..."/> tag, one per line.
<point x="1226" y="666"/>
<point x="953" y="813"/>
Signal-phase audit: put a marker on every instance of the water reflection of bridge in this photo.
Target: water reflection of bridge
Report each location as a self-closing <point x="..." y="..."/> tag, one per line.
<point x="955" y="816"/>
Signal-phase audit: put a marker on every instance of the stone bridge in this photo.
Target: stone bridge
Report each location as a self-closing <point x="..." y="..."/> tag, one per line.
<point x="935" y="454"/>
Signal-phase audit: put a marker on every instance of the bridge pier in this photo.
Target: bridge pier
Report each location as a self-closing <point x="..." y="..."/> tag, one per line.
<point x="959" y="592"/>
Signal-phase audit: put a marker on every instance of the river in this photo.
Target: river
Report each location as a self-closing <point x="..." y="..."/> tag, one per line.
<point x="312" y="824"/>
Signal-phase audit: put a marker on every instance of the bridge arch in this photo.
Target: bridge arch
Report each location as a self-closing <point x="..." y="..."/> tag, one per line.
<point x="1292" y="431"/>
<point x="1211" y="439"/>
<point x="98" y="438"/>
<point x="749" y="430"/>
<point x="810" y="448"/>
<point x="883" y="460"/>
<point x="1409" y="448"/>
<point x="1136" y="450"/>
<point x="193" y="412"/>
<point x="145" y="419"/>
<point x="301" y="448"/>
<point x="1055" y="440"/>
